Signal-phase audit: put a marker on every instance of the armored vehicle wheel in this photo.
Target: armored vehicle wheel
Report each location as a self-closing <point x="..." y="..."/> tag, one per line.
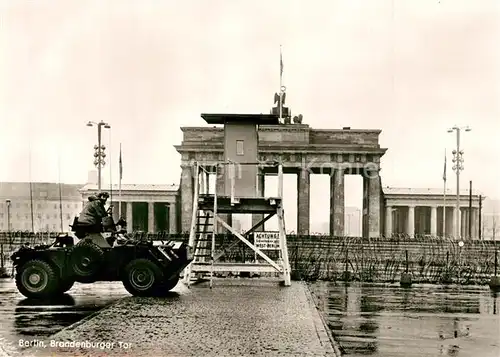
<point x="141" y="277"/>
<point x="86" y="260"/>
<point x="37" y="279"/>
<point x="165" y="286"/>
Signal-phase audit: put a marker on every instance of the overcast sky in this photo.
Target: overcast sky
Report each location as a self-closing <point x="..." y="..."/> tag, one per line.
<point x="411" y="68"/>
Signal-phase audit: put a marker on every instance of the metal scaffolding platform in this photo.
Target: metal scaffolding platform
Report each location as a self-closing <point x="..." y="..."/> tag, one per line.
<point x="207" y="211"/>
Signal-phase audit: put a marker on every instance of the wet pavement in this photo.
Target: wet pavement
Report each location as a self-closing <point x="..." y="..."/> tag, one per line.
<point x="238" y="317"/>
<point x="425" y="320"/>
<point x="25" y="319"/>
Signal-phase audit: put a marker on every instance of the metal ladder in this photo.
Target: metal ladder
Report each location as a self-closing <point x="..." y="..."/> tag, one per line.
<point x="201" y="238"/>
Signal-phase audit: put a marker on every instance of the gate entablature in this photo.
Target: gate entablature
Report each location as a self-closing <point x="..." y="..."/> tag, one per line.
<point x="293" y="136"/>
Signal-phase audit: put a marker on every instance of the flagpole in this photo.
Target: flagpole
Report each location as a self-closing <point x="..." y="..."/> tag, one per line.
<point x="444" y="196"/>
<point x="110" y="172"/>
<point x="120" y="186"/>
<point x="31" y="191"/>
<point x="281" y="84"/>
<point x="60" y="191"/>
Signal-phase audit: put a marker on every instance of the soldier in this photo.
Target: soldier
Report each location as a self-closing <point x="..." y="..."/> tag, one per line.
<point x="93" y="213"/>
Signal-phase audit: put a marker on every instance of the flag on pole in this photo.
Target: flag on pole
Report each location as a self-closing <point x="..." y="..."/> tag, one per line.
<point x="120" y="163"/>
<point x="281" y="63"/>
<point x="444" y="171"/>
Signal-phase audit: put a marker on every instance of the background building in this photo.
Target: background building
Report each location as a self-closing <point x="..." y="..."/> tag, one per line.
<point x="156" y="208"/>
<point x="490" y="224"/>
<point x="53" y="205"/>
<point x="147" y="208"/>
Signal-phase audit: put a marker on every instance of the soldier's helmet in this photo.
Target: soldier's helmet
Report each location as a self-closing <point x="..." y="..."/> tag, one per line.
<point x="103" y="195"/>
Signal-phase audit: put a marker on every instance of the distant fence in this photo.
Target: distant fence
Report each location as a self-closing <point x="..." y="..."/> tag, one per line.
<point x="322" y="257"/>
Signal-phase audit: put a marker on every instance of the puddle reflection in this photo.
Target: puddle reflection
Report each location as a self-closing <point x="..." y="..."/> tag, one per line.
<point x="387" y="320"/>
<point x="24" y="318"/>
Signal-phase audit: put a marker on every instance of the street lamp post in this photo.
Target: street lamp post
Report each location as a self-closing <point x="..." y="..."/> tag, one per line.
<point x="99" y="154"/>
<point x="7" y="201"/>
<point x="457" y="167"/>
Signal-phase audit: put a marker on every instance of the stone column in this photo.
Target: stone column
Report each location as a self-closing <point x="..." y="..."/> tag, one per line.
<point x="410" y="227"/>
<point x="466" y="222"/>
<point x="455" y="234"/>
<point x="303" y="197"/>
<point x="187" y="194"/>
<point x="337" y="203"/>
<point x="475" y="223"/>
<point x="256" y="218"/>
<point x="450" y="222"/>
<point x="463" y="223"/>
<point x="151" y="217"/>
<point x="373" y="204"/>
<point x="172" y="219"/>
<point x="388" y="221"/>
<point x="441" y="224"/>
<point x="434" y="221"/>
<point x="130" y="217"/>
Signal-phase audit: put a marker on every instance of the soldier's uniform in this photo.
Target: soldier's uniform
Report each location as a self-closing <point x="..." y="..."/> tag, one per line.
<point x="93" y="213"/>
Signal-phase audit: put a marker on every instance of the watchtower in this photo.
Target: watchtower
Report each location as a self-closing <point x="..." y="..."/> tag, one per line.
<point x="240" y="172"/>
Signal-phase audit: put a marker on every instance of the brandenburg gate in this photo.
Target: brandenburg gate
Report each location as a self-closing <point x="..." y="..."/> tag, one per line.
<point x="303" y="151"/>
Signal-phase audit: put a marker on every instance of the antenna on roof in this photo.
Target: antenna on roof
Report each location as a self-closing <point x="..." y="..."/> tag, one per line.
<point x="31" y="189"/>
<point x="60" y="191"/>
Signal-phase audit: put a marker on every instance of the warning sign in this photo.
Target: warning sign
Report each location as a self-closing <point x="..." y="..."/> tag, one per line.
<point x="267" y="240"/>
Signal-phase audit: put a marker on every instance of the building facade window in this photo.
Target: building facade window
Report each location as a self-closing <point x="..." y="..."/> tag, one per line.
<point x="240" y="148"/>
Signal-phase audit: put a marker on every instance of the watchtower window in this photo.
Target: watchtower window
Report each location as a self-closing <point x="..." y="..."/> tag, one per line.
<point x="239" y="147"/>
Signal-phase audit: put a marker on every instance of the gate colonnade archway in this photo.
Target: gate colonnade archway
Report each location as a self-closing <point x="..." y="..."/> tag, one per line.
<point x="303" y="151"/>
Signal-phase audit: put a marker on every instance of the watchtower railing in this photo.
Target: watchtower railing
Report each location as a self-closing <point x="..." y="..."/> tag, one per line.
<point x="234" y="170"/>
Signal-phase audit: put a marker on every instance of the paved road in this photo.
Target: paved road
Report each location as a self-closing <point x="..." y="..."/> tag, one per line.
<point x="24" y="319"/>
<point x="238" y="317"/>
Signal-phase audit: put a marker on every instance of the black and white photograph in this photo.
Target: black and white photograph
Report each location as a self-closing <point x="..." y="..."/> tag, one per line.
<point x="250" y="178"/>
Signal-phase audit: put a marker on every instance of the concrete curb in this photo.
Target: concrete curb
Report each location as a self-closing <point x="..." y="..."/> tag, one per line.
<point x="324" y="333"/>
<point x="88" y="318"/>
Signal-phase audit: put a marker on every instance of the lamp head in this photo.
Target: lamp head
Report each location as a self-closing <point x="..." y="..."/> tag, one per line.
<point x="89" y="123"/>
<point x="107" y="126"/>
<point x="7" y="201"/>
<point x="467" y="129"/>
<point x="450" y="130"/>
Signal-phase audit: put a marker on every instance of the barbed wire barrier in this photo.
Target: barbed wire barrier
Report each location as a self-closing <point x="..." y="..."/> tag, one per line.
<point x="433" y="260"/>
